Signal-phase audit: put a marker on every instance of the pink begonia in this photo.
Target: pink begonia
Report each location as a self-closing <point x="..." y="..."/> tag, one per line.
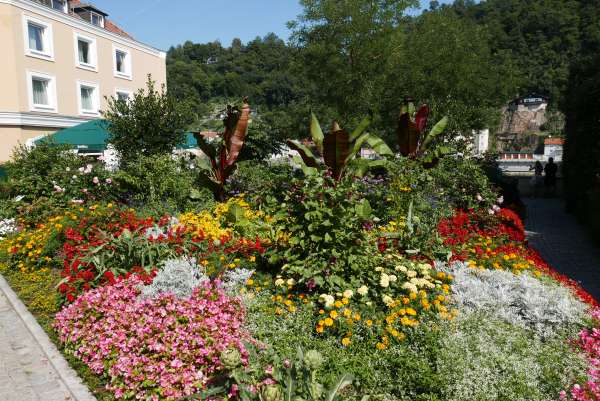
<point x="589" y="342"/>
<point x="164" y="348"/>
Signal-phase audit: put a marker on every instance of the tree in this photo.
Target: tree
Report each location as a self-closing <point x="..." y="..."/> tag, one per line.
<point x="447" y="63"/>
<point x="151" y="123"/>
<point x="344" y="47"/>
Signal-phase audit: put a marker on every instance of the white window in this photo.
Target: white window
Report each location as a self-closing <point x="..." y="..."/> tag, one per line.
<point x="97" y="19"/>
<point x="60" y="5"/>
<point x="123" y="94"/>
<point x="122" y="63"/>
<point x="89" y="98"/>
<point x="85" y="52"/>
<point x="37" y="36"/>
<point x="42" y="92"/>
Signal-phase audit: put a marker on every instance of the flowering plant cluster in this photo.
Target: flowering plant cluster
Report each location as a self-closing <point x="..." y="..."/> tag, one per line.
<point x="134" y="245"/>
<point x="589" y="343"/>
<point x="497" y="242"/>
<point x="162" y="348"/>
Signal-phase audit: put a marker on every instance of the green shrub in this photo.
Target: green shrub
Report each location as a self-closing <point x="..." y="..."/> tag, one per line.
<point x="324" y="222"/>
<point x="152" y="123"/>
<point x="50" y="171"/>
<point x="161" y="184"/>
<point x="261" y="182"/>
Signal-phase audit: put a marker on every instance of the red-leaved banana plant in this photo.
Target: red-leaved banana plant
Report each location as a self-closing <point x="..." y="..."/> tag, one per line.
<point x="223" y="154"/>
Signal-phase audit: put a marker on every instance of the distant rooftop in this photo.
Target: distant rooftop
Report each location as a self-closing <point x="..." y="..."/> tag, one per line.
<point x="85" y="11"/>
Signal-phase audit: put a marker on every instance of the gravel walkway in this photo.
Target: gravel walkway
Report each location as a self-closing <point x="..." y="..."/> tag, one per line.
<point x="563" y="242"/>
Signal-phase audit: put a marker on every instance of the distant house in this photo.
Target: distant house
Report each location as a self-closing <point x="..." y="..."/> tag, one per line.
<point x="61" y="58"/>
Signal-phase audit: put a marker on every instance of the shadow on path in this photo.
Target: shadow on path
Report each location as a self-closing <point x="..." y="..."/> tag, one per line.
<point x="563" y="242"/>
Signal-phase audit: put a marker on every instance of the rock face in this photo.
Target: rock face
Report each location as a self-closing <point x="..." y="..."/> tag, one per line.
<point x="521" y="119"/>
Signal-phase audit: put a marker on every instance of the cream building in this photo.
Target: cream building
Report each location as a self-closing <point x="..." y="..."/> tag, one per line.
<point x="60" y="60"/>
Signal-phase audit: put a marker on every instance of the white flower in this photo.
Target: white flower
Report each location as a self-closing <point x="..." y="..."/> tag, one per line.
<point x="501" y="200"/>
<point x="384" y="280"/>
<point x="378" y="269"/>
<point x="369" y="303"/>
<point x="68" y="169"/>
<point x="491" y="211"/>
<point x="411" y="287"/>
<point x="393" y="278"/>
<point x="81" y="169"/>
<point x="348" y="293"/>
<point x="77" y="201"/>
<point x="387" y="300"/>
<point x="363" y="290"/>
<point x="479" y="198"/>
<point x="411" y="273"/>
<point x="327" y="299"/>
<point x="58" y="189"/>
<point x="95" y="180"/>
<point x="279" y="282"/>
<point x="108" y="181"/>
<point x="291" y="282"/>
<point x="401" y="268"/>
<point x="84" y="190"/>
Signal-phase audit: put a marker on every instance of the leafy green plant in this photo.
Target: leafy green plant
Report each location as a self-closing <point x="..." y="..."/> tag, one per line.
<point x="323" y="221"/>
<point x="161" y="184"/>
<point x="287" y="380"/>
<point x="339" y="150"/>
<point x="413" y="139"/>
<point x="224" y="151"/>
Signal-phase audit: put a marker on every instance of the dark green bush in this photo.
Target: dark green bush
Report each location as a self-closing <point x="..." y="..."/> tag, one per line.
<point x="161" y="184"/>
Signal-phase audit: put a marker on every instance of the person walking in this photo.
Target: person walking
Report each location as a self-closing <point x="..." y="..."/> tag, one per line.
<point x="537" y="181"/>
<point x="550" y="178"/>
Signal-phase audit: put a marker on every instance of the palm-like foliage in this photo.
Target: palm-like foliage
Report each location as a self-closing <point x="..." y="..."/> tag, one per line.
<point x="339" y="148"/>
<point x="223" y="152"/>
<point x="413" y="139"/>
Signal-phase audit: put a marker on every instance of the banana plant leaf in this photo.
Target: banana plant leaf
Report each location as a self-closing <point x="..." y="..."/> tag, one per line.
<point x="360" y="129"/>
<point x="435" y="131"/>
<point x="307" y="155"/>
<point x="205" y="146"/>
<point x="408" y="135"/>
<point x="316" y="132"/>
<point x="421" y="118"/>
<point x="236" y="140"/>
<point x="336" y="148"/>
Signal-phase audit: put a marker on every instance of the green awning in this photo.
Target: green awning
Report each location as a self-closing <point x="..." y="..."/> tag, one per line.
<point x="93" y="136"/>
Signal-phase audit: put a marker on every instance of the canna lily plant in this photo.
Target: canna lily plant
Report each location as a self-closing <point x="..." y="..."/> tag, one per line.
<point x="413" y="139"/>
<point x="224" y="151"/>
<point x="339" y="150"/>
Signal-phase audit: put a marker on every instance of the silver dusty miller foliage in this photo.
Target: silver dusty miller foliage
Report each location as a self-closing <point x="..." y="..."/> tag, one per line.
<point x="177" y="276"/>
<point x="520" y="300"/>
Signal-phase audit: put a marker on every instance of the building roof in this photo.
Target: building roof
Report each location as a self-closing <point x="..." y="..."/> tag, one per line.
<point x="108" y="25"/>
<point x="554" y="141"/>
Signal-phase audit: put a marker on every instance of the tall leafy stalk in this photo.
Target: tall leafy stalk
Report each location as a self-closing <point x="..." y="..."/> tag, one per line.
<point x="223" y="152"/>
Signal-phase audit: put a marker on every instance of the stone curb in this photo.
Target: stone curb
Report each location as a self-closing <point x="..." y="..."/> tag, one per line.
<point x="69" y="377"/>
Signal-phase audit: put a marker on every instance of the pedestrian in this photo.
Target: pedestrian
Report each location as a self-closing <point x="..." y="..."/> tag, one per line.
<point x="537" y="181"/>
<point x="550" y="178"/>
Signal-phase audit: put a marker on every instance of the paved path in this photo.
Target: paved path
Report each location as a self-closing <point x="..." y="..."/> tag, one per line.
<point x="563" y="242"/>
<point x="31" y="368"/>
<point x="25" y="372"/>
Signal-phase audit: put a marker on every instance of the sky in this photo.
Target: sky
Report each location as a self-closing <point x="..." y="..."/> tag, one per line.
<point x="163" y="23"/>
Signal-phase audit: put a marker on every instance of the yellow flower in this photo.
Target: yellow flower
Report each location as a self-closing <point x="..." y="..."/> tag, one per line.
<point x="381" y="346"/>
<point x="338" y="304"/>
<point x="333" y="314"/>
<point x="320" y="329"/>
<point x="346" y="341"/>
<point x="328" y="322"/>
<point x="369" y="323"/>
